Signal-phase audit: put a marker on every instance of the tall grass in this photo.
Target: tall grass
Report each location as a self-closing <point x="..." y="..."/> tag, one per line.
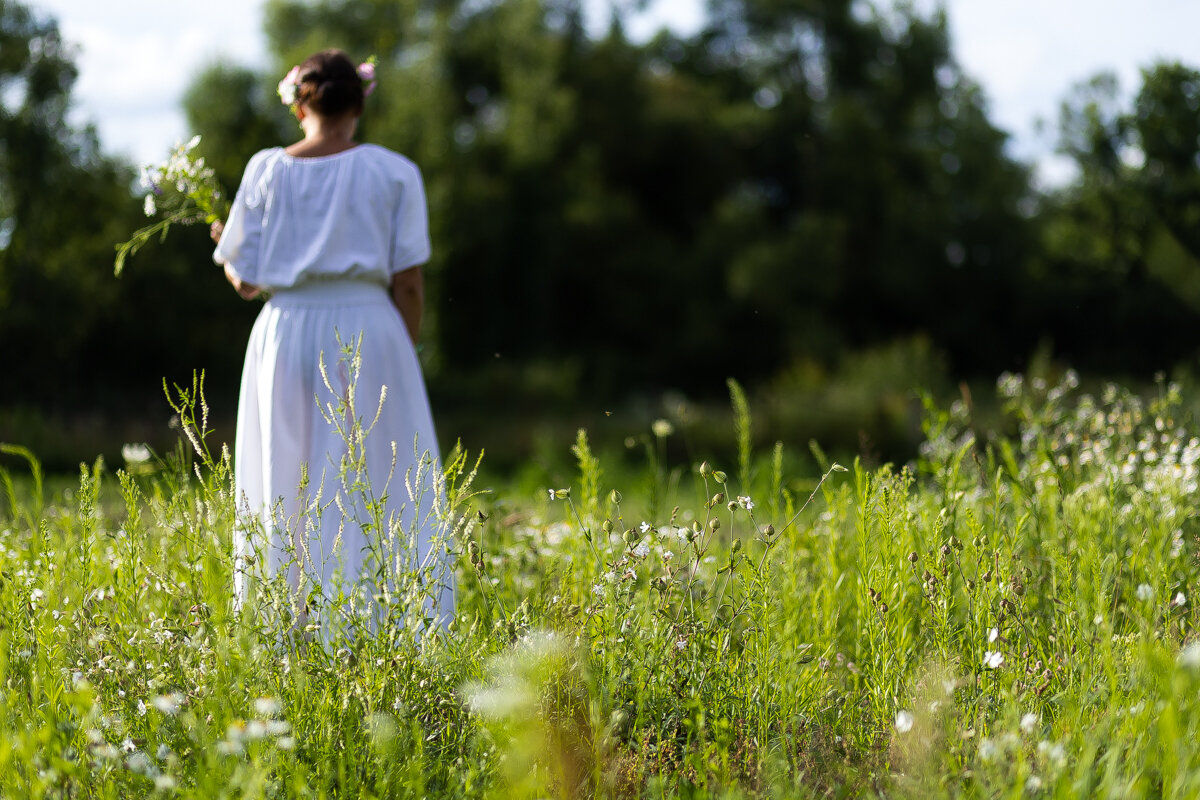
<point x="1005" y="617"/>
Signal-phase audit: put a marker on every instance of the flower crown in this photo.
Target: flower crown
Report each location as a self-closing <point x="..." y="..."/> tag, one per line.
<point x="290" y="85"/>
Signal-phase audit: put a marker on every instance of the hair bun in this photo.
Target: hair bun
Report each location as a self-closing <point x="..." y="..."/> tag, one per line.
<point x="330" y="84"/>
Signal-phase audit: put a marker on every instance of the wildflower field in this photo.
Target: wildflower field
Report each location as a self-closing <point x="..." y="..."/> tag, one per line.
<point x="1009" y="616"/>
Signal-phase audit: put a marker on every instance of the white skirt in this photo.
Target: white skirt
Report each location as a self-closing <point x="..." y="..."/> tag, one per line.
<point x="336" y="455"/>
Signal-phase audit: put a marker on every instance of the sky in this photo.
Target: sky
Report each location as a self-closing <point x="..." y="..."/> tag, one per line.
<point x="136" y="57"/>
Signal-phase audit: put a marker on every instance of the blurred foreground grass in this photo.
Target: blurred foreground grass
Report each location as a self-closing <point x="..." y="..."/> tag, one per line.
<point x="1007" y="616"/>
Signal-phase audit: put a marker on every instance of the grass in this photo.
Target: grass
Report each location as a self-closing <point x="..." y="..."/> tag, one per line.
<point x="1007" y="616"/>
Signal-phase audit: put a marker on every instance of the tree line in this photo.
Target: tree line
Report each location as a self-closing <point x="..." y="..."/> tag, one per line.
<point x="796" y="180"/>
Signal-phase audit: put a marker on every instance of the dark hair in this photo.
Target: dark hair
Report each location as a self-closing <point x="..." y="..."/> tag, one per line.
<point x="329" y="84"/>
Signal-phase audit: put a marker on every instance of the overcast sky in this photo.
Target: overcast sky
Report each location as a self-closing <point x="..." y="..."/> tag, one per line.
<point x="137" y="56"/>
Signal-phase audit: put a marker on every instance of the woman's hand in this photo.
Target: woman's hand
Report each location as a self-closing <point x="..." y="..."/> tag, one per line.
<point x="215" y="230"/>
<point x="246" y="291"/>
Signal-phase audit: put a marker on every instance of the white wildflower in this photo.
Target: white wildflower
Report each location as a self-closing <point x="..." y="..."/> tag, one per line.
<point x="642" y="550"/>
<point x="681" y="643"/>
<point x="746" y="503"/>
<point x="992" y="659"/>
<point x="1180" y="599"/>
<point x="167" y="703"/>
<point x="1029" y="722"/>
<point x="1190" y="655"/>
<point x="993" y="635"/>
<point x="141" y="708"/>
<point x="1144" y="592"/>
<point x="266" y="706"/>
<point x="149" y="207"/>
<point x="1053" y="752"/>
<point x="645" y="527"/>
<point x="904" y="721"/>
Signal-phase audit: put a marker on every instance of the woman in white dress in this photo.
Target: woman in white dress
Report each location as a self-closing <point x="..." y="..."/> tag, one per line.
<point x="335" y="450"/>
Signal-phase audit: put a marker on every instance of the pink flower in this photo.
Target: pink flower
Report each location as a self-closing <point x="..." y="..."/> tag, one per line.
<point x="366" y="73"/>
<point x="287" y="87"/>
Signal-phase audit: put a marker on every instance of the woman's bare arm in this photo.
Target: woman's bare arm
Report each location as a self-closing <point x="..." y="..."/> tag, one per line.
<point x="408" y="293"/>
<point x="246" y="291"/>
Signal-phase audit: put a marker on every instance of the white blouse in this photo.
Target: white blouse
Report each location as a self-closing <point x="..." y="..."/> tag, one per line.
<point x="358" y="215"/>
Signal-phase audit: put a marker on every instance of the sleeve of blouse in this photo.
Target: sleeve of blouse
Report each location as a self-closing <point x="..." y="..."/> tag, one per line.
<point x="239" y="244"/>
<point x="410" y="247"/>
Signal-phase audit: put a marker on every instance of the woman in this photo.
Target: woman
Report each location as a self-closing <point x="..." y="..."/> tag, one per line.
<point x="333" y="414"/>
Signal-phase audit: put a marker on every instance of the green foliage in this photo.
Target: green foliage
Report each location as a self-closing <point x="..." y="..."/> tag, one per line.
<point x="1013" y="616"/>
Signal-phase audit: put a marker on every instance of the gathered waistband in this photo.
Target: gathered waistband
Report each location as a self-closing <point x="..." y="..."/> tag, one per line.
<point x="330" y="293"/>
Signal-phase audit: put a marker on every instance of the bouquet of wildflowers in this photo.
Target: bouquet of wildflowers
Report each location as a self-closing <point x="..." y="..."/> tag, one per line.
<point x="180" y="191"/>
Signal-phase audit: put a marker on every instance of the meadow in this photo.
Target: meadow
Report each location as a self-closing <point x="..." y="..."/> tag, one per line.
<point x="1010" y="615"/>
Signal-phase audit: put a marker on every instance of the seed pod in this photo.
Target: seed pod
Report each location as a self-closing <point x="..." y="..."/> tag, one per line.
<point x="714" y="524"/>
<point x="884" y="608"/>
<point x="731" y="505"/>
<point x="913" y="557"/>
<point x="705" y="469"/>
<point x="607" y="526"/>
<point x="769" y="531"/>
<point x="719" y="476"/>
<point x="614" y="497"/>
<point x="718" y="498"/>
<point x="631" y="537"/>
<point x="737" y="545"/>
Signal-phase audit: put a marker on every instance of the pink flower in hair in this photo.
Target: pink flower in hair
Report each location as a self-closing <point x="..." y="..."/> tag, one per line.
<point x="288" y="86"/>
<point x="366" y="73"/>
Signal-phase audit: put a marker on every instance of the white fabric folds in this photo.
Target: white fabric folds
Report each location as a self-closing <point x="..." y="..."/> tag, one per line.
<point x="302" y="474"/>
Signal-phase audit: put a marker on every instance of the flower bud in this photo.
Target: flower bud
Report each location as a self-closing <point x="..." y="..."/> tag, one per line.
<point x="714" y="524"/>
<point x="718" y="498"/>
<point x="737" y="545"/>
<point x="705" y="469"/>
<point x="614" y="497"/>
<point x="769" y="531"/>
<point x="719" y="476"/>
<point x="607" y="526"/>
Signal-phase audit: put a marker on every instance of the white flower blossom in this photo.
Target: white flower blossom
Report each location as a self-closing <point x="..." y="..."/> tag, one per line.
<point x="993" y="659"/>
<point x="266" y="706"/>
<point x="904" y="721"/>
<point x="166" y="703"/>
<point x="1029" y="722"/>
<point x="642" y="550"/>
<point x="1144" y="592"/>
